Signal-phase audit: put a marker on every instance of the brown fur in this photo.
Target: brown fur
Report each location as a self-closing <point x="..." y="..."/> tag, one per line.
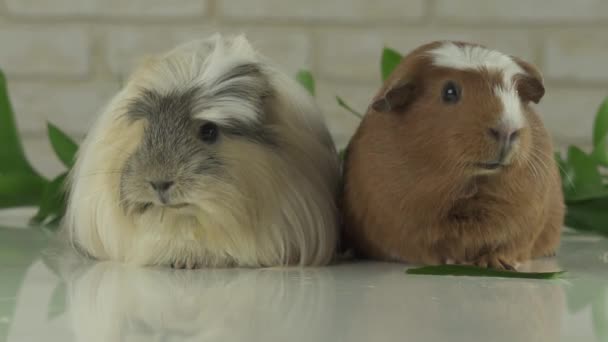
<point x="412" y="192"/>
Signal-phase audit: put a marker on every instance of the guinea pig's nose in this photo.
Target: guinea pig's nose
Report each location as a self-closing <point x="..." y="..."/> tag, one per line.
<point x="161" y="186"/>
<point x="502" y="135"/>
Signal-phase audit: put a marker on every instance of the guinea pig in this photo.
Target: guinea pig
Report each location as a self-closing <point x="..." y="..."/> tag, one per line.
<point x="451" y="163"/>
<point x="208" y="157"/>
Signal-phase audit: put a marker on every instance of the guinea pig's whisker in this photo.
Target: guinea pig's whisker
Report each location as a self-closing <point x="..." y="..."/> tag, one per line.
<point x="535" y="172"/>
<point x="541" y="161"/>
<point x="111" y="170"/>
<point x="538" y="157"/>
<point x="531" y="162"/>
<point x="119" y="151"/>
<point x="535" y="166"/>
<point x="100" y="173"/>
<point x="568" y="178"/>
<point x="107" y="142"/>
<point x="460" y="164"/>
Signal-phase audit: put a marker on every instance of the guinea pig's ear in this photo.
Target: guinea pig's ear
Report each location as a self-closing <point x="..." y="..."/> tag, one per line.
<point x="395" y="98"/>
<point x="529" y="85"/>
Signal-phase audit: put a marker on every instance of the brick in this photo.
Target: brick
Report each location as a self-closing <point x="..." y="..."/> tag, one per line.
<point x="112" y="8"/>
<point x="341" y="123"/>
<point x="579" y="56"/>
<point x="48" y="51"/>
<point x="125" y="47"/>
<point x="521" y="10"/>
<point x="71" y="106"/>
<point x="290" y="50"/>
<point x="355" y="54"/>
<point x="340" y="10"/>
<point x="569" y="112"/>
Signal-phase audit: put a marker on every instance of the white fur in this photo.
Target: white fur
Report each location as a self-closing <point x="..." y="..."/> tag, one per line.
<point x="279" y="210"/>
<point x="201" y="63"/>
<point x="512" y="118"/>
<point x="477" y="57"/>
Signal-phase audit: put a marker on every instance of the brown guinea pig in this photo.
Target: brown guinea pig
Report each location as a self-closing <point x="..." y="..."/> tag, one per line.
<point x="451" y="164"/>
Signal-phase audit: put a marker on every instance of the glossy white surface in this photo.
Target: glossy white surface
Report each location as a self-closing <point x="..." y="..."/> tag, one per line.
<point x="49" y="295"/>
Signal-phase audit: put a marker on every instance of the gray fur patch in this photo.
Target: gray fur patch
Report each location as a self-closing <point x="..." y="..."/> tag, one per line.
<point x="254" y="132"/>
<point x="249" y="69"/>
<point x="243" y="83"/>
<point x="150" y="104"/>
<point x="171" y="149"/>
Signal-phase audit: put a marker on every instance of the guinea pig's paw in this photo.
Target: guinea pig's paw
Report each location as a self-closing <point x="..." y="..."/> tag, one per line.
<point x="187" y="263"/>
<point x="449" y="261"/>
<point x="495" y="261"/>
<point x="550" y="254"/>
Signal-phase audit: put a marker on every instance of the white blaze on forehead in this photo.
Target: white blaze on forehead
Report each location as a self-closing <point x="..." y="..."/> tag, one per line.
<point x="512" y="116"/>
<point x="475" y="57"/>
<point x="472" y="57"/>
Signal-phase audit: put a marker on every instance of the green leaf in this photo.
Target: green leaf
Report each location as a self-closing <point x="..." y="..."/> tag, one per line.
<point x="52" y="203"/>
<point x="20" y="189"/>
<point x="585" y="181"/>
<point x="474" y="271"/>
<point x="600" y="125"/>
<point x="565" y="171"/>
<point x="390" y="60"/>
<point x="600" y="134"/>
<point x="347" y="107"/>
<point x="342" y="154"/>
<point x="305" y="78"/>
<point x="12" y="157"/>
<point x="20" y="184"/>
<point x="65" y="148"/>
<point x="591" y="215"/>
<point x="600" y="153"/>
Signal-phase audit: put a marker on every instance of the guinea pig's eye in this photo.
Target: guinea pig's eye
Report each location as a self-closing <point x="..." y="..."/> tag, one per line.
<point x="208" y="132"/>
<point x="450" y="93"/>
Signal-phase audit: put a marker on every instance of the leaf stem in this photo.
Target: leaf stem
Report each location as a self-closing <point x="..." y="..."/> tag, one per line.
<point x="348" y="108"/>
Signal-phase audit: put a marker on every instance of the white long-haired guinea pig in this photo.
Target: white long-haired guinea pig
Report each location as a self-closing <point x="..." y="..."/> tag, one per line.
<point x="209" y="157"/>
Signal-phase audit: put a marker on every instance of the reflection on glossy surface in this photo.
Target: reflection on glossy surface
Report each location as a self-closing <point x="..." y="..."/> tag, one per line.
<point x="112" y="302"/>
<point x="56" y="296"/>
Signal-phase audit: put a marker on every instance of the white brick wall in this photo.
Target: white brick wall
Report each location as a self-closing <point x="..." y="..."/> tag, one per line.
<point x="354" y="54"/>
<point x="124" y="46"/>
<point x="65" y="58"/>
<point x="70" y="105"/>
<point x="535" y="11"/>
<point x="569" y="111"/>
<point x="577" y="55"/>
<point x="334" y="10"/>
<point x="108" y="8"/>
<point x="44" y="51"/>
